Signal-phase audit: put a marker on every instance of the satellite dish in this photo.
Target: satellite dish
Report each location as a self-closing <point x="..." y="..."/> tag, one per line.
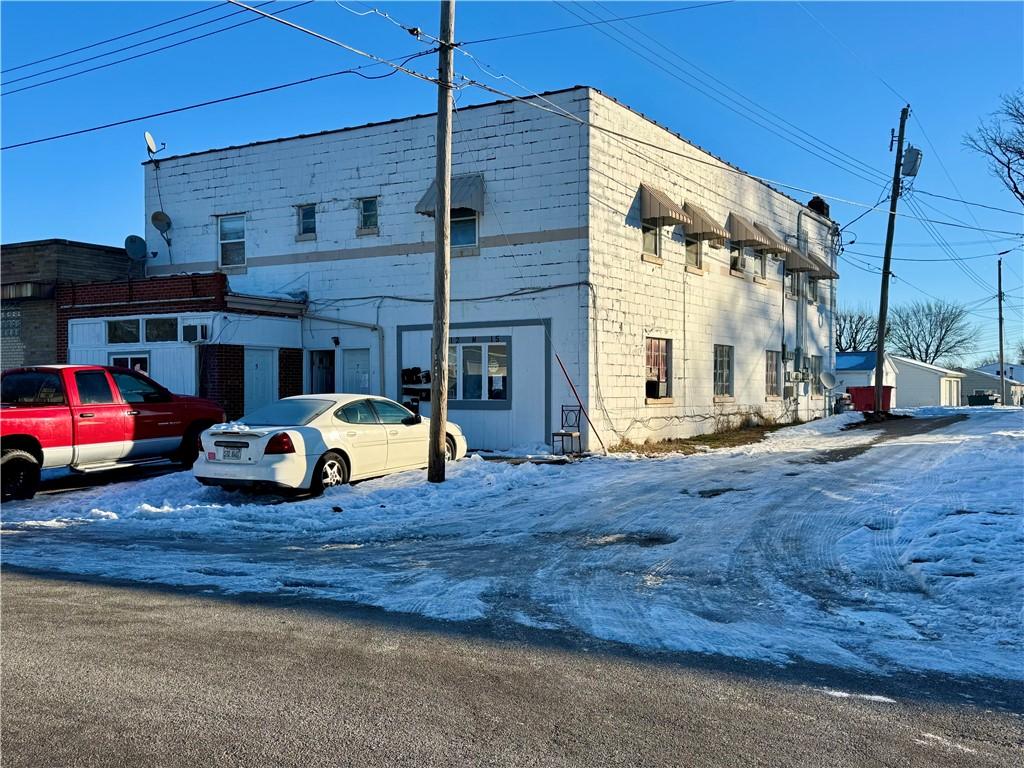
<point x="828" y="379"/>
<point x="161" y="221"/>
<point x="150" y="143"/>
<point x="136" y="248"/>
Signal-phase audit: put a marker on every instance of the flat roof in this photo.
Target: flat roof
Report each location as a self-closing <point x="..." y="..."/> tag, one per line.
<point x="61" y="241"/>
<point x="544" y="94"/>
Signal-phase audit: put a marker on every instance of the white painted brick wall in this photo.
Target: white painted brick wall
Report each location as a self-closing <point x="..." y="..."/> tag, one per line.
<point x="543" y="173"/>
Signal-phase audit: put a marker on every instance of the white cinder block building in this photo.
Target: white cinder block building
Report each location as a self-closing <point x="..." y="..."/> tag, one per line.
<point x="679" y="293"/>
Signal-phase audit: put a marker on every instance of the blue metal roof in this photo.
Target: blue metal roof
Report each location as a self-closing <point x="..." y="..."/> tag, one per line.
<point x="855" y="361"/>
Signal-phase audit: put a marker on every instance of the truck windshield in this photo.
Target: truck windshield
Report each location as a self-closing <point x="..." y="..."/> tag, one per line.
<point x="32" y="388"/>
<point x="286" y="413"/>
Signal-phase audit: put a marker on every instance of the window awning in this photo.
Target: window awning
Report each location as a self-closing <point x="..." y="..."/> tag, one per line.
<point x="703" y="227"/>
<point x="821" y="270"/>
<point x="798" y="262"/>
<point x="743" y="233"/>
<point x="775" y="245"/>
<point x="467" y="192"/>
<point x="657" y="208"/>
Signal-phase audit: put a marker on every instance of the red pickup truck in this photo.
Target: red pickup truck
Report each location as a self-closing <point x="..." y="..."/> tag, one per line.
<point x="91" y="417"/>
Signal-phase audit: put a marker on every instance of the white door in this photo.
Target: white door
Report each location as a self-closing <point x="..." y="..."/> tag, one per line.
<point x="260" y="378"/>
<point x="355" y="374"/>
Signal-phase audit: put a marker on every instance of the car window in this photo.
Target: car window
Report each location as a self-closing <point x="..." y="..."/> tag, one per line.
<point x="93" y="388"/>
<point x="287" y="413"/>
<point x="390" y="413"/>
<point x="135" y="389"/>
<point x="32" y="388"/>
<point x="357" y="413"/>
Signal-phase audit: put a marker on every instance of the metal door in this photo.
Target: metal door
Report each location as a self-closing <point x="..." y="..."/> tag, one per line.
<point x="321" y="371"/>
<point x="355" y="377"/>
<point x="260" y="378"/>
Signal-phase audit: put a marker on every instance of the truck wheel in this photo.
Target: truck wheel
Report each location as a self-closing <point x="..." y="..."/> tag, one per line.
<point x="20" y="474"/>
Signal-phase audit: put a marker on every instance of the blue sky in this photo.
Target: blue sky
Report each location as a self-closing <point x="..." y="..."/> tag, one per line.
<point x="950" y="60"/>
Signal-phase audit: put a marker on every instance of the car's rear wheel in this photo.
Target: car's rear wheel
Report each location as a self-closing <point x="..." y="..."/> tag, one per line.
<point x="330" y="471"/>
<point x="20" y="474"/>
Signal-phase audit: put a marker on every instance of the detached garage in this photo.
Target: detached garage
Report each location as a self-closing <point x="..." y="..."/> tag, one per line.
<point x="921" y="384"/>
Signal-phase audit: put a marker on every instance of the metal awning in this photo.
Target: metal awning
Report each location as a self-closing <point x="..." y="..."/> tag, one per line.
<point x="467" y="192"/>
<point x="703" y="227"/>
<point x="657" y="208"/>
<point x="821" y="270"/>
<point x="798" y="262"/>
<point x="743" y="233"/>
<point x="775" y="245"/>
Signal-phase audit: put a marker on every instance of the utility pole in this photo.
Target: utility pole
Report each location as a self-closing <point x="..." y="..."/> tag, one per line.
<point x="1002" y="361"/>
<point x="883" y="304"/>
<point x="442" y="248"/>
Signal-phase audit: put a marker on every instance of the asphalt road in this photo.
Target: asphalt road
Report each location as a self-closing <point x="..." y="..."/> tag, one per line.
<point x="100" y="675"/>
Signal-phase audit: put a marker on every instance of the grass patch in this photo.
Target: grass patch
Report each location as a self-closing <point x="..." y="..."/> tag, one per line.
<point x="729" y="438"/>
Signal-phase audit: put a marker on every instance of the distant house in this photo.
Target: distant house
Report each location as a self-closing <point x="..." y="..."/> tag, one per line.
<point x="921" y="384"/>
<point x="857" y="369"/>
<point x="1013" y="370"/>
<point x="979" y="382"/>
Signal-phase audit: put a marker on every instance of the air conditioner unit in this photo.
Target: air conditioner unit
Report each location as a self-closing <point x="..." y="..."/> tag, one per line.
<point x="195" y="333"/>
<point x="794" y="376"/>
<point x="739" y="262"/>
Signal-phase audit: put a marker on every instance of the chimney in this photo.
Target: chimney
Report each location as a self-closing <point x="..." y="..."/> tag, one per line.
<point x="818" y="205"/>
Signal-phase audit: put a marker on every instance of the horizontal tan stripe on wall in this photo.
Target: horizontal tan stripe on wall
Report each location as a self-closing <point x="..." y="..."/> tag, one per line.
<point x="378" y="251"/>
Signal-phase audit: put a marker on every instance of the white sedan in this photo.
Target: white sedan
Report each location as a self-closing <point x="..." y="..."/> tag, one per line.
<point x="311" y="442"/>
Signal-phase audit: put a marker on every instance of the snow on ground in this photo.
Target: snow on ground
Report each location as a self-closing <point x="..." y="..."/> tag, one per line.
<point x="828" y="545"/>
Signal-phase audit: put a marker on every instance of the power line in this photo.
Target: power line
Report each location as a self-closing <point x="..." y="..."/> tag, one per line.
<point x="338" y="43"/>
<point x="110" y="39"/>
<point x="908" y="258"/>
<point x="127" y="47"/>
<point x="146" y="53"/>
<point x="677" y="75"/>
<point x="269" y="89"/>
<point x="966" y="202"/>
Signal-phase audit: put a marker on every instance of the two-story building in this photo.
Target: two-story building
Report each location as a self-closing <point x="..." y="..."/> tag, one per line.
<point x="679" y="293"/>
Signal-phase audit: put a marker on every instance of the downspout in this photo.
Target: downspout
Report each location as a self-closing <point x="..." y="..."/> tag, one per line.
<point x="354" y="324"/>
<point x="801" y="310"/>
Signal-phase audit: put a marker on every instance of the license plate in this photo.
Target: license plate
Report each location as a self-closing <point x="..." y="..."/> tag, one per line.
<point x="232" y="454"/>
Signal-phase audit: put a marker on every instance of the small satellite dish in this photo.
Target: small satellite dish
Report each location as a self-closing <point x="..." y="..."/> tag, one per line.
<point x="136" y="248"/>
<point x="828" y="379"/>
<point x="161" y="221"/>
<point x="150" y="143"/>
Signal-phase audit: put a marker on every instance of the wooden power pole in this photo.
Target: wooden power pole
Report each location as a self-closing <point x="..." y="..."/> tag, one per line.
<point x="1002" y="360"/>
<point x="442" y="249"/>
<point x="883" y="303"/>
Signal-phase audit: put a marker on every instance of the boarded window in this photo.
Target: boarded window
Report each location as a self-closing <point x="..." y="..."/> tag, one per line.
<point x="772" y="373"/>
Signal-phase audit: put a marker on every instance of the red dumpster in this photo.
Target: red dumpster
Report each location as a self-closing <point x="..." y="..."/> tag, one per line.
<point x="864" y="398"/>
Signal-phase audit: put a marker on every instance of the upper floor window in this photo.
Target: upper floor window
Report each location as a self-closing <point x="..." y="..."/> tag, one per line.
<point x="756" y="262"/>
<point x="368" y="219"/>
<point x="693" y="252"/>
<point x="307" y="220"/>
<point x="812" y="289"/>
<point x="791" y="283"/>
<point x="652" y="239"/>
<point x="464" y="232"/>
<point x="231" y="236"/>
<point x="658" y="361"/>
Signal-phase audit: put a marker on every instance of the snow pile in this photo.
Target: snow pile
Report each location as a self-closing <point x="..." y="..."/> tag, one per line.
<point x="907" y="554"/>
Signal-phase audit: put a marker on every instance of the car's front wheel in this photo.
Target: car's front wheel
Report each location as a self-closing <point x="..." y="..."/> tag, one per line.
<point x="449" y="449"/>
<point x="331" y="470"/>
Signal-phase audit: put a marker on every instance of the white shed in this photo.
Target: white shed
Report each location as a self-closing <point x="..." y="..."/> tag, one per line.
<point x="921" y="384"/>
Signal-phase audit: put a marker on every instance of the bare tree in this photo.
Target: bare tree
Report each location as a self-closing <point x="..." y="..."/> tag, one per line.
<point x="1018" y="351"/>
<point x="1001" y="140"/>
<point x="930" y="330"/>
<point x="856" y="330"/>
